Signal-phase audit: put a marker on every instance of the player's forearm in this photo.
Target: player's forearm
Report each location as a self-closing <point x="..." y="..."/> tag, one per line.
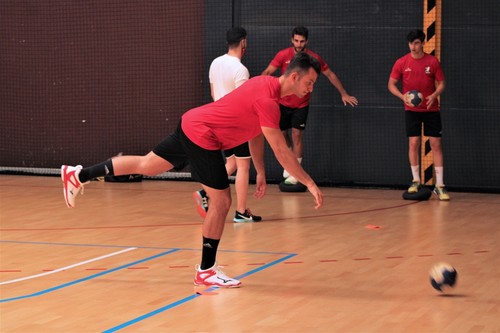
<point x="340" y="87"/>
<point x="289" y="162"/>
<point x="335" y="81"/>
<point x="256" y="146"/>
<point x="269" y="70"/>
<point x="395" y="90"/>
<point x="441" y="85"/>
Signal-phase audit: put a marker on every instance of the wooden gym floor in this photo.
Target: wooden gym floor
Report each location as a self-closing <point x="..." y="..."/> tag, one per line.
<point x="123" y="261"/>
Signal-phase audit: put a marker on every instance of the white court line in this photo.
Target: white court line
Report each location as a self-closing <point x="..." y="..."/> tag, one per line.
<point x="70" y="266"/>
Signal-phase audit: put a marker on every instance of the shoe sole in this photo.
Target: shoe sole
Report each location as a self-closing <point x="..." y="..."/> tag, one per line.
<point x="245" y="221"/>
<point x="199" y="207"/>
<point x="217" y="285"/>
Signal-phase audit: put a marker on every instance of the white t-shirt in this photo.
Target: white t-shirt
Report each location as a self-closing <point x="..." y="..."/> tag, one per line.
<point x="226" y="74"/>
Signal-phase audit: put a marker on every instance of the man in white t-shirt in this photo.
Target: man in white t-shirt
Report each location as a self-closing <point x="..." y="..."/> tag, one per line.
<point x="226" y="74"/>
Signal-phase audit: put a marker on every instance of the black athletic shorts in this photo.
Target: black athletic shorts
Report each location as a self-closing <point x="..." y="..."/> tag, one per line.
<point x="207" y="166"/>
<point x="431" y="121"/>
<point x="293" y="118"/>
<point x="241" y="151"/>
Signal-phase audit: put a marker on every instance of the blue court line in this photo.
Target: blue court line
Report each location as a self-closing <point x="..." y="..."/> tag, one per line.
<point x="189" y="298"/>
<point x="136" y="246"/>
<point x="87" y="278"/>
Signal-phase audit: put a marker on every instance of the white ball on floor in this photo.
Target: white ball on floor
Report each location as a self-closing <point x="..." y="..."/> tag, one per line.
<point x="443" y="276"/>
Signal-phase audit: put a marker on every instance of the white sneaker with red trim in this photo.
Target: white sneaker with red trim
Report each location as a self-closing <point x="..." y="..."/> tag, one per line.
<point x="71" y="184"/>
<point x="214" y="277"/>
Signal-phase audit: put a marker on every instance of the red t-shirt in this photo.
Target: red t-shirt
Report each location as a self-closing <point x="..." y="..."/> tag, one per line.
<point x="281" y="61"/>
<point x="237" y="117"/>
<point x="419" y="74"/>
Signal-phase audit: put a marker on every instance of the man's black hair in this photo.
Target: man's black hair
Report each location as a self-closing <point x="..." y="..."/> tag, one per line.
<point x="301" y="31"/>
<point x="415" y="34"/>
<point x="301" y="63"/>
<point x="235" y="35"/>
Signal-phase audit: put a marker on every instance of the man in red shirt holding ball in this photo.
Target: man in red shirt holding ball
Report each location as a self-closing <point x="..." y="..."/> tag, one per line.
<point x="422" y="72"/>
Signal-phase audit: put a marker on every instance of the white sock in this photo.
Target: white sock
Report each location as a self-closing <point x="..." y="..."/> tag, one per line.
<point x="415" y="171"/>
<point x="439" y="176"/>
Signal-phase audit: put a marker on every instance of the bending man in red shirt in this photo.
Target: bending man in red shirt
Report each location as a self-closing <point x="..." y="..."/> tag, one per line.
<point x="248" y="113"/>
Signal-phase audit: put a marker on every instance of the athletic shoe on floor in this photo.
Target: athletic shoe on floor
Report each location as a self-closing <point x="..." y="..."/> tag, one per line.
<point x="201" y="201"/>
<point x="247" y="216"/>
<point x="291" y="180"/>
<point x="441" y="193"/>
<point x="71" y="183"/>
<point x="214" y="277"/>
<point x="414" y="187"/>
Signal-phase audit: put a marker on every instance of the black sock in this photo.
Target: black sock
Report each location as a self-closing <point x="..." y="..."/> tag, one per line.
<point x="209" y="252"/>
<point x="98" y="170"/>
